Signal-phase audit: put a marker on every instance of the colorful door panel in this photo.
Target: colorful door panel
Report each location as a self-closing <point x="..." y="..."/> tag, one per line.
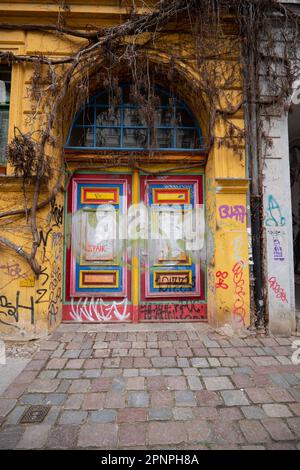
<point x="99" y="287"/>
<point x="172" y="281"/>
<point x="99" y="272"/>
<point x="171" y="270"/>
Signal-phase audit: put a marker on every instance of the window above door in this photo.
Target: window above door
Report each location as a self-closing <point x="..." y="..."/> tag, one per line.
<point x="109" y="124"/>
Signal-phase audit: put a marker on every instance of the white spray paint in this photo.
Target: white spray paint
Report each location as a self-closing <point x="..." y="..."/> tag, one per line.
<point x="98" y="310"/>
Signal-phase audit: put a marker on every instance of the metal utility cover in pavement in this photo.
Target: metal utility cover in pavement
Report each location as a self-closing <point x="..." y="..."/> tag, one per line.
<point x="35" y="414"/>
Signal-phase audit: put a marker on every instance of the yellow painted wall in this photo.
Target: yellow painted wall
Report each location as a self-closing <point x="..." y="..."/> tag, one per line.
<point x="227" y="236"/>
<point x="30" y="307"/>
<point x="226" y="184"/>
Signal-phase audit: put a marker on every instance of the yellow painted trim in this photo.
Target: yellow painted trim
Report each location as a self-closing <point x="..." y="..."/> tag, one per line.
<point x="232" y="185"/>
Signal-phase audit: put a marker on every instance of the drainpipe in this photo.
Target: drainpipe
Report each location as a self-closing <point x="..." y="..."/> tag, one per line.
<point x="255" y="210"/>
<point x="254" y="168"/>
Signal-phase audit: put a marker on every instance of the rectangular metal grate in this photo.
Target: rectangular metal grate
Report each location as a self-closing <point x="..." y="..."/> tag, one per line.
<point x="34" y="414"/>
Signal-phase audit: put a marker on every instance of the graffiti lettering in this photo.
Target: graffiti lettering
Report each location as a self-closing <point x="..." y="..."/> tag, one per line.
<point x="54" y="303"/>
<point x="190" y="310"/>
<point x="56" y="214"/>
<point x="239" y="310"/>
<point x="41" y="293"/>
<point x="55" y="292"/>
<point x="230" y="212"/>
<point x="56" y="239"/>
<point x="43" y="240"/>
<point x="274" y="217"/>
<point x="98" y="310"/>
<point x="44" y="273"/>
<point x="221" y="280"/>
<point x="55" y="277"/>
<point x="279" y="291"/>
<point x="12" y="269"/>
<point x="8" y="309"/>
<point x="56" y="246"/>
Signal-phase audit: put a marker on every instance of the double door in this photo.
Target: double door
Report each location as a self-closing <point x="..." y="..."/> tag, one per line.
<point x="136" y="251"/>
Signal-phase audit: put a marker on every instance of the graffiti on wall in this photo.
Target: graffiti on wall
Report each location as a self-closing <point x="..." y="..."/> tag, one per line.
<point x="51" y="294"/>
<point x="187" y="310"/>
<point x="43" y="240"/>
<point x="53" y="275"/>
<point x="274" y="216"/>
<point x="238" y="282"/>
<point x="11" y="309"/>
<point x="55" y="216"/>
<point x="49" y="290"/>
<point x="278" y="290"/>
<point x="95" y="309"/>
<point x="41" y="293"/>
<point x="221" y="276"/>
<point x="54" y="219"/>
<point x="11" y="269"/>
<point x="55" y="292"/>
<point x="233" y="212"/>
<point x="239" y="308"/>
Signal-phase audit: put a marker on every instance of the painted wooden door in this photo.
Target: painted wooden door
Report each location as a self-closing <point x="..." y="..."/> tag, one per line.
<point x="98" y="284"/>
<point x="172" y="278"/>
<point x="163" y="233"/>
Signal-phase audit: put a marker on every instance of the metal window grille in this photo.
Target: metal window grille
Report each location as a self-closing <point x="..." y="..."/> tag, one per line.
<point x="5" y="82"/>
<point x="104" y="125"/>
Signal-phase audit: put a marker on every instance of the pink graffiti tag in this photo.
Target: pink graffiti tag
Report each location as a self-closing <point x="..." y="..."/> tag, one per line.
<point x="221" y="280"/>
<point x="230" y="212"/>
<point x="238" y="281"/>
<point x="279" y="291"/>
<point x="12" y="270"/>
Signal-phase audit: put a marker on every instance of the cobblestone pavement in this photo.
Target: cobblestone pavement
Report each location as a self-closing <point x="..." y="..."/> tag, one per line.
<point x="169" y="386"/>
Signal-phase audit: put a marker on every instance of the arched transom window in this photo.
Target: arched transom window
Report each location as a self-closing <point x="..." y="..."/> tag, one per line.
<point x="103" y="126"/>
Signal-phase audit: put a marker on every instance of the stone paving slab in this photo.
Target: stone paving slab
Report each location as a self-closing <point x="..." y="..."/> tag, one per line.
<point x="10" y="370"/>
<point x="155" y="386"/>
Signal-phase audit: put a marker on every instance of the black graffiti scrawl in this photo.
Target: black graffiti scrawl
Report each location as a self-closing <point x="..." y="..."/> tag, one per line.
<point x="56" y="214"/>
<point x="11" y="310"/>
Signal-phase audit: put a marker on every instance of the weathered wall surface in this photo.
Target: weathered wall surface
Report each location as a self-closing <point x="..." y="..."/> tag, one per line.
<point x="278" y="229"/>
<point x="30" y="307"/>
<point x="228" y="257"/>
